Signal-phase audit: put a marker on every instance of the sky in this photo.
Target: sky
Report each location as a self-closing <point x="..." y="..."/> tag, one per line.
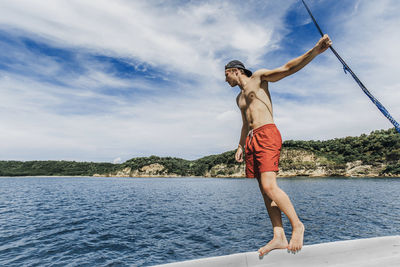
<point x="106" y="81"/>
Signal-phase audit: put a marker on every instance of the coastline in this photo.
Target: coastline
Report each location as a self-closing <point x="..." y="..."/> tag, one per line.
<point x="374" y="155"/>
<point x="201" y="177"/>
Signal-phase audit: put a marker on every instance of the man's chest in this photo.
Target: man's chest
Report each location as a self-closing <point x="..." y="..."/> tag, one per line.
<point x="249" y="95"/>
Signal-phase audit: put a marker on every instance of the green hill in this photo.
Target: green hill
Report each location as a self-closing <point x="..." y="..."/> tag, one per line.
<point x="376" y="154"/>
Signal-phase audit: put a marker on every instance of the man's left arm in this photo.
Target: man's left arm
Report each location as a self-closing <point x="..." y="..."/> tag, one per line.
<point x="297" y="63"/>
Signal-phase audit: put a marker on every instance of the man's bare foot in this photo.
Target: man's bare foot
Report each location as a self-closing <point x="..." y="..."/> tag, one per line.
<point x="275" y="243"/>
<point x="296" y="242"/>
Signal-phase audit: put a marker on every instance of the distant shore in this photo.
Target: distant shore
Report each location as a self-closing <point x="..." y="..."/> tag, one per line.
<point x="373" y="155"/>
<point x="183" y="177"/>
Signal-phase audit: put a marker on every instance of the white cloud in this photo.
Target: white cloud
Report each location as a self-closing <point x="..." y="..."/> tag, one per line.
<point x="186" y="38"/>
<point x="190" y="43"/>
<point x="332" y="104"/>
<point x="166" y="126"/>
<point x="117" y="160"/>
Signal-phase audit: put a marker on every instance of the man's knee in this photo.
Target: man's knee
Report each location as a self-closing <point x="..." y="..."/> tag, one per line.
<point x="261" y="185"/>
<point x="269" y="189"/>
<point x="268" y="183"/>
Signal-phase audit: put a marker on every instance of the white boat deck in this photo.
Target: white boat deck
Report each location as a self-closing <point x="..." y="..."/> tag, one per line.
<point x="371" y="252"/>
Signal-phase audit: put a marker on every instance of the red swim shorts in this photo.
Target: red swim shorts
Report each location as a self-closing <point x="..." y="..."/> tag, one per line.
<point x="263" y="149"/>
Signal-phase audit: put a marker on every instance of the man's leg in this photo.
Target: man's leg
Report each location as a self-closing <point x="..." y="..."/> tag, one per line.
<point x="279" y="240"/>
<point x="270" y="187"/>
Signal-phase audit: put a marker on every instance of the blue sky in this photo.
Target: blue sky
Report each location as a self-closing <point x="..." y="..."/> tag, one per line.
<point x="111" y="80"/>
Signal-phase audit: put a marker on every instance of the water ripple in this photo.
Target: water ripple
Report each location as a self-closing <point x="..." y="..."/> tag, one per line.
<point x="142" y="222"/>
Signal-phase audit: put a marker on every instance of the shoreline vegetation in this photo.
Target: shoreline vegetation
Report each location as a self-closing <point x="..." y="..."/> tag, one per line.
<point x="374" y="155"/>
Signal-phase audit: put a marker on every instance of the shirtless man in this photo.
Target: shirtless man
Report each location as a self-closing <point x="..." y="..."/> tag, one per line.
<point x="262" y="141"/>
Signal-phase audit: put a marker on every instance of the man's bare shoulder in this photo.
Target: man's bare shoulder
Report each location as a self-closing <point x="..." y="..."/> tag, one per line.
<point x="261" y="72"/>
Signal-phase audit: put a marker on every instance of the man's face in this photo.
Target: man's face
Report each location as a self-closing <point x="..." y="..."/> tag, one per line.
<point x="230" y="77"/>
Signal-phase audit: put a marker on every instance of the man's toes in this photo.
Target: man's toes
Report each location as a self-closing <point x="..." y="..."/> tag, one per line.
<point x="297" y="250"/>
<point x="260" y="251"/>
<point x="293" y="249"/>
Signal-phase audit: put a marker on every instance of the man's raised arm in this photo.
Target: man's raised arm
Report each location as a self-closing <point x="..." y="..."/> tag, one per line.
<point x="297" y="63"/>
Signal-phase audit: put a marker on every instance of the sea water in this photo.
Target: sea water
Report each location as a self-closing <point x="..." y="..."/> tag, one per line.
<point x="76" y="221"/>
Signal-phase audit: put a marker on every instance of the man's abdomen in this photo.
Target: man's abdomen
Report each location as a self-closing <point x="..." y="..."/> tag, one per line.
<point x="258" y="114"/>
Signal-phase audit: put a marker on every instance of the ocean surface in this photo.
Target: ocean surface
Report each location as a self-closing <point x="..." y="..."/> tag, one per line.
<point x="68" y="221"/>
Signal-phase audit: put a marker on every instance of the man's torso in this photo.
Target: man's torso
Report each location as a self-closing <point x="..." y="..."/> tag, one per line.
<point x="255" y="101"/>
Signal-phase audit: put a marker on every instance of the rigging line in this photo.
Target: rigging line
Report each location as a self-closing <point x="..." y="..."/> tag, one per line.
<point x="362" y="86"/>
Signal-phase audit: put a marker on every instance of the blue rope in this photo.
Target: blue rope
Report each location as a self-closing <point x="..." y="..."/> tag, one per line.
<point x="346" y="69"/>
